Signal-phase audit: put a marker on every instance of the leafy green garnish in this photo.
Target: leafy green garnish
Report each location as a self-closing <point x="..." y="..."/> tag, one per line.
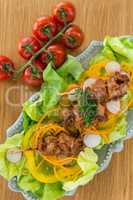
<point x="27" y="122"/>
<point x="87" y="106"/>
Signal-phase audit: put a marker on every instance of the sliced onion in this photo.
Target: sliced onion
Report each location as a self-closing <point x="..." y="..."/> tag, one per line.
<point x="112" y="67"/>
<point x="72" y="96"/>
<point x="89" y="82"/>
<point x="113" y="106"/>
<point x="14" y="155"/>
<point x="92" y="140"/>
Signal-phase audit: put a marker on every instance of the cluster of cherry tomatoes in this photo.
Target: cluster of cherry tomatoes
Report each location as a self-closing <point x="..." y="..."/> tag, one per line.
<point x="44" y="29"/>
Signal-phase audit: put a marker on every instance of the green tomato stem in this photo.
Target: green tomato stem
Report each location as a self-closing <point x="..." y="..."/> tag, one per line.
<point x="63" y="15"/>
<point x="19" y="71"/>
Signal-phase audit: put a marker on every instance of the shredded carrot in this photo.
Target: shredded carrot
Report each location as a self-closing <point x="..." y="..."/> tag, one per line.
<point x="43" y="129"/>
<point x="72" y="86"/>
<point x="95" y="70"/>
<point x="56" y="162"/>
<point x="45" y="115"/>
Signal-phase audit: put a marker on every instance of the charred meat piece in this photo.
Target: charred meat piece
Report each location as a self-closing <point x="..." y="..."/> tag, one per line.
<point x="118" y="85"/>
<point x="72" y="120"/>
<point x="70" y="146"/>
<point x="122" y="77"/>
<point x="68" y="118"/>
<point x="101" y="112"/>
<point x="101" y="115"/>
<point x="60" y="146"/>
<point x="99" y="91"/>
<point x="113" y="88"/>
<point x="79" y="122"/>
<point x="49" y="144"/>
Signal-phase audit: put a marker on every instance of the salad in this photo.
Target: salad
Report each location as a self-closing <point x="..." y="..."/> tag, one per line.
<point x="77" y="113"/>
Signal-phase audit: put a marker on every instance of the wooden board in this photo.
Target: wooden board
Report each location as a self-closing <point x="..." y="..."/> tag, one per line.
<point x="97" y="19"/>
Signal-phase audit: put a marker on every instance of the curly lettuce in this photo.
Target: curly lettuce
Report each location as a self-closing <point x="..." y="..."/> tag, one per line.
<point x="115" y="48"/>
<point x="87" y="160"/>
<point x="42" y="191"/>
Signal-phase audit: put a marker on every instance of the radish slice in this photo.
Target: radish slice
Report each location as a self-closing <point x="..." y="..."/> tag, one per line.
<point x="88" y="83"/>
<point x="72" y="96"/>
<point x="125" y="74"/>
<point x="112" y="67"/>
<point x="14" y="155"/>
<point x="113" y="106"/>
<point x="92" y="140"/>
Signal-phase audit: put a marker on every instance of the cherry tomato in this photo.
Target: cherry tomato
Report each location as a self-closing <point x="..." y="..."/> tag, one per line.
<point x="64" y="12"/>
<point x="28" y="46"/>
<point x="32" y="76"/>
<point x="41" y="66"/>
<point x="6" y="68"/>
<point x="56" y="53"/>
<point x="44" y="28"/>
<point x="73" y="37"/>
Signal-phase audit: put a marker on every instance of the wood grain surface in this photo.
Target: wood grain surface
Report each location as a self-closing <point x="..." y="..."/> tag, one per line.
<point x="97" y="19"/>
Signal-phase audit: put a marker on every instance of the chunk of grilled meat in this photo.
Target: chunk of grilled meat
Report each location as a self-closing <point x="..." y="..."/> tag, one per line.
<point x="72" y="120"/>
<point x="101" y="111"/>
<point x="117" y="85"/>
<point x="99" y="91"/>
<point x="122" y="77"/>
<point x="101" y="115"/>
<point x="69" y="145"/>
<point x="61" y="146"/>
<point x="68" y="119"/>
<point x="79" y="122"/>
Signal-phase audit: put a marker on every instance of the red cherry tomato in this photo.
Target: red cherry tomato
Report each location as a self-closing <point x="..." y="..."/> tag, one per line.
<point x="44" y="58"/>
<point x="73" y="37"/>
<point x="28" y="46"/>
<point x="44" y="28"/>
<point x="32" y="76"/>
<point x="41" y="66"/>
<point x="56" y="53"/>
<point x="6" y="68"/>
<point x="64" y="11"/>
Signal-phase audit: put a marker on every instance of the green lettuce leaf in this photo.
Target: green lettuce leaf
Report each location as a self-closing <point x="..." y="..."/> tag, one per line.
<point x="87" y="160"/>
<point x="115" y="48"/>
<point x="42" y="191"/>
<point x="121" y="47"/>
<point x="29" y="184"/>
<point x="120" y="130"/>
<point x="105" y="54"/>
<point x="27" y="122"/>
<point x="7" y="169"/>
<point x="71" y="69"/>
<point x="52" y="191"/>
<point x="33" y="109"/>
<point x="55" y="82"/>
